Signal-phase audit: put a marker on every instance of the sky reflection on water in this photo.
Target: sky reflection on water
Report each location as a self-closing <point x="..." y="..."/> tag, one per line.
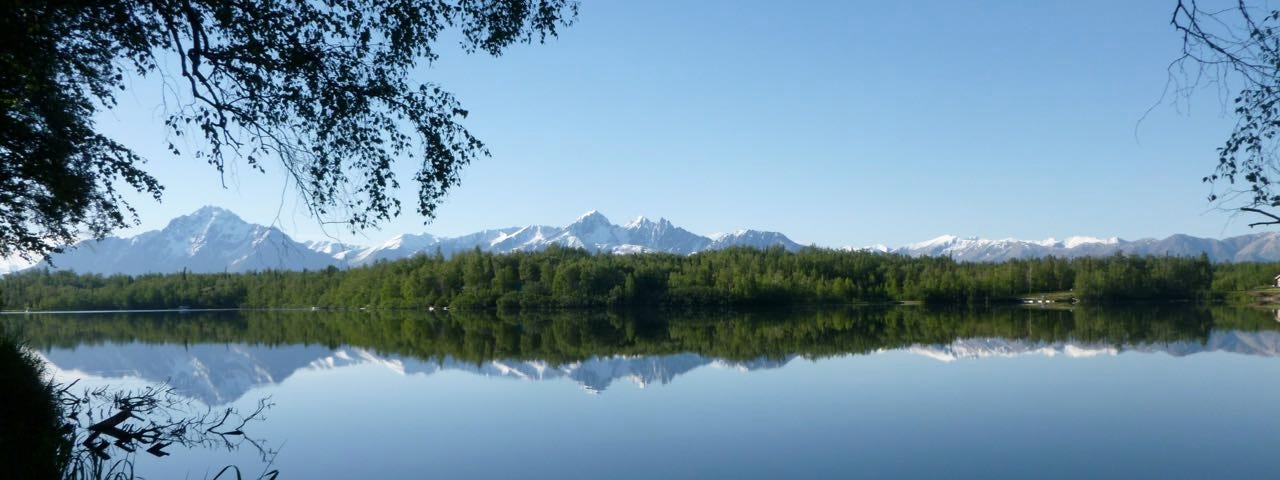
<point x="973" y="407"/>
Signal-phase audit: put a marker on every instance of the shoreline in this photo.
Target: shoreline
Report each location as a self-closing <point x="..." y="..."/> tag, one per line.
<point x="1034" y="301"/>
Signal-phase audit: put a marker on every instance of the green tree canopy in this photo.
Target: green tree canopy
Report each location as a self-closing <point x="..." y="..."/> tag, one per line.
<point x="323" y="88"/>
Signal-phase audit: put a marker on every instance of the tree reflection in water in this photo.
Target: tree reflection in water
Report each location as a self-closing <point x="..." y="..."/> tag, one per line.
<point x="569" y="336"/>
<point x="266" y="346"/>
<point x="111" y="428"/>
<point x="108" y="427"/>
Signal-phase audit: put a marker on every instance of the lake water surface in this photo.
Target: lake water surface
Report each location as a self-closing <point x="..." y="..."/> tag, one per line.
<point x="1155" y="391"/>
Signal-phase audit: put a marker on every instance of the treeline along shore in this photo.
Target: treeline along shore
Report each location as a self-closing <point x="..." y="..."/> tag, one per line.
<point x="572" y="278"/>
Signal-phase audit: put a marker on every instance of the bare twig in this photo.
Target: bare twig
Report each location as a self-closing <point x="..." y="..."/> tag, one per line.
<point x="1274" y="219"/>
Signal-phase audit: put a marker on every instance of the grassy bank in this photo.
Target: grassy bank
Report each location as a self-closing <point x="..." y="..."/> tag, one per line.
<point x="31" y="443"/>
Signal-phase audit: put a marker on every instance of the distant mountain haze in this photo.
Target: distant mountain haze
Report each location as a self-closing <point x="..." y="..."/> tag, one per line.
<point x="213" y="239"/>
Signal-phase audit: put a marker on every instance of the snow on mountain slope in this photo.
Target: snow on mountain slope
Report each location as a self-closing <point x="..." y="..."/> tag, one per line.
<point x="337" y="250"/>
<point x="591" y="231"/>
<point x="753" y="238"/>
<point x="1076" y="241"/>
<point x="525" y="238"/>
<point x="662" y="236"/>
<point x="215" y="240"/>
<point x="209" y="240"/>
<point x="399" y="246"/>
<point x="1245" y="248"/>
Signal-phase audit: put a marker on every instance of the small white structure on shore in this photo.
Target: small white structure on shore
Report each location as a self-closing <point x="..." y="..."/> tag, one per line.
<point x="1276" y="281"/>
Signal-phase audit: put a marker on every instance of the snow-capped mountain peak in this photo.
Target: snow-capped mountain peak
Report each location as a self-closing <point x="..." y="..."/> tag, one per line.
<point x="939" y="241"/>
<point x="986" y="250"/>
<point x="1071" y="242"/>
<point x="753" y="238"/>
<point x="331" y="248"/>
<point x="593" y="232"/>
<point x="409" y="241"/>
<point x="213" y="239"/>
<point x="1075" y="241"/>
<point x="639" y="222"/>
<point x="591" y="217"/>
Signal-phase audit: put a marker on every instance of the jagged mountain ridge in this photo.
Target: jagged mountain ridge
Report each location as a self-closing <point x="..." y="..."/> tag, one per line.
<point x="213" y="239"/>
<point x="1258" y="247"/>
<point x="592" y="231"/>
<point x="216" y="240"/>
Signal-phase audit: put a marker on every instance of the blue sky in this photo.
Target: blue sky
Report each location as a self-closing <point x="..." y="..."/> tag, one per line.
<point x="837" y="123"/>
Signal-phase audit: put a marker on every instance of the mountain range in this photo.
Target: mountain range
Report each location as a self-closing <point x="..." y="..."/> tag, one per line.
<point x="213" y="239"/>
<point x="218" y="374"/>
<point x="1257" y="247"/>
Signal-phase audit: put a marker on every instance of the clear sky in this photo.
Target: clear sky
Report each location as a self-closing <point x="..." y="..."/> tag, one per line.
<point x="837" y="123"/>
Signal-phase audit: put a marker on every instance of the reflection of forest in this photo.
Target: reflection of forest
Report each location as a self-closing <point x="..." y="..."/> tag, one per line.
<point x="571" y="336"/>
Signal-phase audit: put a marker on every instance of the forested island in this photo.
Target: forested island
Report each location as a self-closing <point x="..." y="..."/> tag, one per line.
<point x="573" y="278"/>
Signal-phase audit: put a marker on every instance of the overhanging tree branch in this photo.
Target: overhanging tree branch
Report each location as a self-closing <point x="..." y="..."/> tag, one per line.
<point x="1238" y="49"/>
<point x="323" y="89"/>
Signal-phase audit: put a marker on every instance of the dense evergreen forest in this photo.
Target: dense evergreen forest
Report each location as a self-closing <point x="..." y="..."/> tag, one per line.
<point x="562" y="277"/>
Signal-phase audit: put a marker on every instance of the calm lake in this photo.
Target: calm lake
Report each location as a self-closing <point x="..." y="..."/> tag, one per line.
<point x="1155" y="391"/>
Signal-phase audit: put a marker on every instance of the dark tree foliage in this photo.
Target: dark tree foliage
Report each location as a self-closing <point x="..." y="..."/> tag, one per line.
<point x="58" y="177"/>
<point x="570" y="278"/>
<point x="322" y="87"/>
<point x="1235" y="46"/>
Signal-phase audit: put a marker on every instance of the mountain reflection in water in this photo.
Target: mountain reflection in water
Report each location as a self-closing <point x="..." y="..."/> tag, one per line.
<point x="218" y="357"/>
